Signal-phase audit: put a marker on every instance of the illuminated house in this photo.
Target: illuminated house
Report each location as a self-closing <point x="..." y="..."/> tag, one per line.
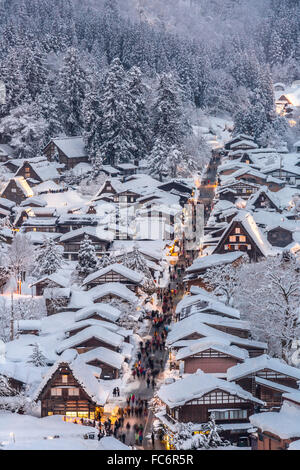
<point x="70" y="388"/>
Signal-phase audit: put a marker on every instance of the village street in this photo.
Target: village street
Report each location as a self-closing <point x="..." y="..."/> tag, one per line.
<point x="141" y="390"/>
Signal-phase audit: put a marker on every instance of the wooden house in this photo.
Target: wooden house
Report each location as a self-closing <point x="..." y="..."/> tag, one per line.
<point x="17" y="190"/>
<point x="113" y="291"/>
<point x="194" y="273"/>
<point x="126" y="197"/>
<point x="38" y="224"/>
<point x="72" y="240"/>
<point x="67" y="222"/>
<point x="244" y="235"/>
<point x="91" y="338"/>
<point x="264" y="199"/>
<point x="66" y="150"/>
<point x="36" y="173"/>
<point x="237" y="189"/>
<point x="49" y="282"/>
<point x="239" y="138"/>
<point x="110" y="362"/>
<point x="6" y="204"/>
<point x="280" y="236"/>
<point x="108" y="190"/>
<point x="114" y="273"/>
<point x="197" y="397"/>
<point x="192" y="329"/>
<point x="126" y="169"/>
<point x="101" y="311"/>
<point x="210" y="356"/>
<point x="278" y="430"/>
<point x="267" y="378"/>
<point x="71" y="389"/>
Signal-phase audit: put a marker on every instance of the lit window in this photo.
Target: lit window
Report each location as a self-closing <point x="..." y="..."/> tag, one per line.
<point x="237" y="230"/>
<point x="242" y="238"/>
<point x="56" y="392"/>
<point x="249" y="247"/>
<point x="73" y="392"/>
<point x="64" y="379"/>
<point x="232" y="238"/>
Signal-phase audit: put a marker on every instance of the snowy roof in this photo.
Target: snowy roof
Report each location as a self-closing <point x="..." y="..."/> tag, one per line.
<point x="216" y="343"/>
<point x="264" y="189"/>
<point x="113" y="288"/>
<point x="22" y="185"/>
<point x="84" y="377"/>
<point x="7" y="203"/>
<point x="91" y="231"/>
<point x="105" y="355"/>
<point x="45" y="170"/>
<point x="210" y="302"/>
<point x="196" y="385"/>
<point x="117" y="268"/>
<point x="98" y="332"/>
<point x="104" y="310"/>
<point x="211" y="261"/>
<point x="255" y="364"/>
<point x="39" y="222"/>
<point x="72" y="147"/>
<point x="249" y="143"/>
<point x="285" y="424"/>
<point x="247" y="221"/>
<point x="23" y="372"/>
<point x="56" y="278"/>
<point x="57" y="293"/>
<point x="28" y="325"/>
<point x="188" y="326"/>
<point x="46" y="186"/>
<point x="37" y="200"/>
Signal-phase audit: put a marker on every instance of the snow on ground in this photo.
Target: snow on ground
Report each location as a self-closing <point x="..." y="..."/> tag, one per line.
<point x="66" y="200"/>
<point x="24" y="432"/>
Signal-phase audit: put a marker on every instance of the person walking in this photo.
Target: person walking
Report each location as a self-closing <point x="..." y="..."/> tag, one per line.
<point x="148" y="382"/>
<point x="153" y="439"/>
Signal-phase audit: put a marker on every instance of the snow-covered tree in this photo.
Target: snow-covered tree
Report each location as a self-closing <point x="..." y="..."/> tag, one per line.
<point x="184" y="438"/>
<point x="224" y="280"/>
<point x="20" y="255"/>
<point x="37" y="357"/>
<point x="117" y="117"/>
<point x="5" y="389"/>
<point x="24" y="129"/>
<point x="93" y="127"/>
<point x="137" y="262"/>
<point x="87" y="258"/>
<point x="49" y="258"/>
<point x="72" y="87"/>
<point x="269" y="298"/>
<point x="105" y="261"/>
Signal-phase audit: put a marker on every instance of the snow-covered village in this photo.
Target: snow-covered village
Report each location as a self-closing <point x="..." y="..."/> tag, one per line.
<point x="149" y="225"/>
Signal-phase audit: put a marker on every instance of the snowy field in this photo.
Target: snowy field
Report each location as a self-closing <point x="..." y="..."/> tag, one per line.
<point x="19" y="432"/>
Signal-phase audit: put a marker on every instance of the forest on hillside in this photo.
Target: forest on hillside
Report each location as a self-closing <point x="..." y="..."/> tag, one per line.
<point x="130" y="75"/>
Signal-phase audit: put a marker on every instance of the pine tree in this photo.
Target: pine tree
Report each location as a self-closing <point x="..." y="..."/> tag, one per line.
<point x="140" y="122"/>
<point x="49" y="258"/>
<point x="137" y="262"/>
<point x="157" y="160"/>
<point x="87" y="258"/>
<point x="37" y="357"/>
<point x="72" y="87"/>
<point x="92" y="128"/>
<point x="168" y="123"/>
<point x="116" y="134"/>
<point x="105" y="261"/>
